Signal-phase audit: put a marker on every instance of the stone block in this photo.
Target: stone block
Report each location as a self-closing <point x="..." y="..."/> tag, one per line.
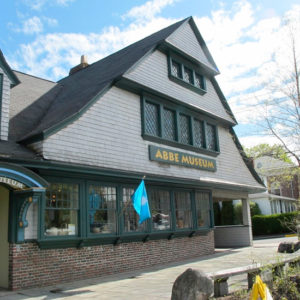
<point x="192" y="285"/>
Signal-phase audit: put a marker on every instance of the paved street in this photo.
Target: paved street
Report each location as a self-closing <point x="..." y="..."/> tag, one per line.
<point x="154" y="283"/>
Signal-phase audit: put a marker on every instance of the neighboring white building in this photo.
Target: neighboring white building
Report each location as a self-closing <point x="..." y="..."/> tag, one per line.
<point x="283" y="190"/>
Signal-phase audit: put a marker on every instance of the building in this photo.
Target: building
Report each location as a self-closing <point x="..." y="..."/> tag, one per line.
<point x="282" y="181"/>
<point x="73" y="152"/>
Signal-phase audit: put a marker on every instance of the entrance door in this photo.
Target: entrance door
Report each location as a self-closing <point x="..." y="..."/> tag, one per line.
<point x="4" y="246"/>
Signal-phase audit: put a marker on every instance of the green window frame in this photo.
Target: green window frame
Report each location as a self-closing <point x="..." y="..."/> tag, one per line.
<point x="84" y="205"/>
<point x="186" y="74"/>
<point x="61" y="214"/>
<point x="177" y="126"/>
<point x="102" y="208"/>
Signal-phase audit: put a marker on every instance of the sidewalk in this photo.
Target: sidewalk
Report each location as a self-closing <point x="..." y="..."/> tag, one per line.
<point x="153" y="283"/>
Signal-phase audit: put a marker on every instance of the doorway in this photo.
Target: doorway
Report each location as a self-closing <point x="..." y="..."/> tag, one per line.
<point x="4" y="245"/>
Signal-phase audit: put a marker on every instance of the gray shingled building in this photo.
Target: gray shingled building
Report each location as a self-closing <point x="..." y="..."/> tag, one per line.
<point x="73" y="152"/>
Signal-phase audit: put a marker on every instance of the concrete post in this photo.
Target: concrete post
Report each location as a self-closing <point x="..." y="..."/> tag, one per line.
<point x="247" y="219"/>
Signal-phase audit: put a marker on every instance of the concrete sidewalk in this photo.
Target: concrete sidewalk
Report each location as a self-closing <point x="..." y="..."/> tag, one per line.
<point x="154" y="283"/>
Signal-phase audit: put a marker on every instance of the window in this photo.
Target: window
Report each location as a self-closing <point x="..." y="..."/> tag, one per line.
<point x="102" y="209"/>
<point x="160" y="209"/>
<point x="130" y="216"/>
<point x="88" y="211"/>
<point x="202" y="209"/>
<point x="169" y="124"/>
<point x="183" y="210"/>
<point x="186" y="76"/>
<point x="211" y="137"/>
<point x="185" y="132"/>
<point x="151" y="119"/>
<point x="62" y="206"/>
<point x="198" y="133"/>
<point x="175" y="128"/>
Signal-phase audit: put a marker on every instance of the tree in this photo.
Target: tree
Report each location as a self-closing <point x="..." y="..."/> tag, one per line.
<point x="277" y="151"/>
<point x="282" y="108"/>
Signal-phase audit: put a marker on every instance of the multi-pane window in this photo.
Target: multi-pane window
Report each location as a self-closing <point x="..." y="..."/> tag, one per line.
<point x="169" y="123"/>
<point x="169" y="126"/>
<point x="185" y="132"/>
<point x="62" y="206"/>
<point x="211" y="137"/>
<point x="183" y="211"/>
<point x="102" y="209"/>
<point x="188" y="75"/>
<point x="198" y="133"/>
<point x="160" y="209"/>
<point x="130" y="217"/>
<point x="202" y="209"/>
<point x="183" y="74"/>
<point x="151" y="118"/>
<point x="200" y="81"/>
<point x="176" y="69"/>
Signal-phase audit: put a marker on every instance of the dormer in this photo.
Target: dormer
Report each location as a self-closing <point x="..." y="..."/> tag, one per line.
<point x="7" y="81"/>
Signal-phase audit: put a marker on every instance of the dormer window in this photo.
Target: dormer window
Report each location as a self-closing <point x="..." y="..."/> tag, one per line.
<point x="186" y="75"/>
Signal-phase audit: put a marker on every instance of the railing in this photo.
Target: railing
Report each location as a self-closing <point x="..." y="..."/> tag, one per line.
<point x="220" y="278"/>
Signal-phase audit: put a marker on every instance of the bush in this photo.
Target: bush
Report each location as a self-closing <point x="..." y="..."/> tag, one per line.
<point x="254" y="209"/>
<point x="272" y="224"/>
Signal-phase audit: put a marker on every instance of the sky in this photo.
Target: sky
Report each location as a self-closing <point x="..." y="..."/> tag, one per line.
<point x="246" y="38"/>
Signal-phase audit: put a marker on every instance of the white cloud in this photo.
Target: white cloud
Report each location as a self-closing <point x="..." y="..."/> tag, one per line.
<point x="148" y="10"/>
<point x="42" y="56"/>
<point x="39" y="4"/>
<point x="32" y="26"/>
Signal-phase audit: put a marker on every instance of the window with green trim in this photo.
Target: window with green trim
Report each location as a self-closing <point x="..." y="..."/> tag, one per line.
<point x="168" y="124"/>
<point x="160" y="209"/>
<point x="130" y="217"/>
<point x="186" y="76"/>
<point x="202" y="209"/>
<point x="62" y="207"/>
<point x="152" y="119"/>
<point x="185" y="131"/>
<point x="183" y="210"/>
<point x="102" y="209"/>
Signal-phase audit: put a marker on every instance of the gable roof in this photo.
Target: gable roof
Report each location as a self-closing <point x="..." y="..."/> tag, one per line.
<point x="79" y="90"/>
<point x="8" y="71"/>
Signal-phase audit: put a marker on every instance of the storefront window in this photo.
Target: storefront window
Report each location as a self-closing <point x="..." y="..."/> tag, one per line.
<point x="202" y="209"/>
<point x="131" y="218"/>
<point x="160" y="209"/>
<point x="61" y="214"/>
<point x="102" y="209"/>
<point x="183" y="210"/>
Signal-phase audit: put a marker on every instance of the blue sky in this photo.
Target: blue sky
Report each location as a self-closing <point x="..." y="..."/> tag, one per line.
<point x="46" y="38"/>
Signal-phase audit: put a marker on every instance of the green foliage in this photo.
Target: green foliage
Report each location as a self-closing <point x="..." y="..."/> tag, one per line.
<point x="275" y="151"/>
<point x="254" y="209"/>
<point x="238" y="213"/>
<point x="286" y="288"/>
<point x="227" y="213"/>
<point x="217" y="213"/>
<point x="272" y="224"/>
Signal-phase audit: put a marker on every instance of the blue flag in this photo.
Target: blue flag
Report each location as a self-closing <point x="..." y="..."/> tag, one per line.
<point x="140" y="202"/>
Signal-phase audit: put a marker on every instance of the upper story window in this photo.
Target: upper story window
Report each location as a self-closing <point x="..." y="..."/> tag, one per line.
<point x="186" y="75"/>
<point x="176" y="126"/>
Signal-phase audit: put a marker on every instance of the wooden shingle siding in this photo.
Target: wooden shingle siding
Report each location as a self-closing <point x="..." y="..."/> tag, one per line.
<point x="4" y="111"/>
<point x="232" y="236"/>
<point x="153" y="72"/>
<point x="185" y="39"/>
<point x="109" y="135"/>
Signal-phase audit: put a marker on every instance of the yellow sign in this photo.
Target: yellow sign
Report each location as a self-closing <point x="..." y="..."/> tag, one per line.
<point x="180" y="158"/>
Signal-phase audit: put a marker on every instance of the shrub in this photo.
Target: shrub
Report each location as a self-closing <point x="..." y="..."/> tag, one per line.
<point x="272" y="224"/>
<point x="254" y="209"/>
